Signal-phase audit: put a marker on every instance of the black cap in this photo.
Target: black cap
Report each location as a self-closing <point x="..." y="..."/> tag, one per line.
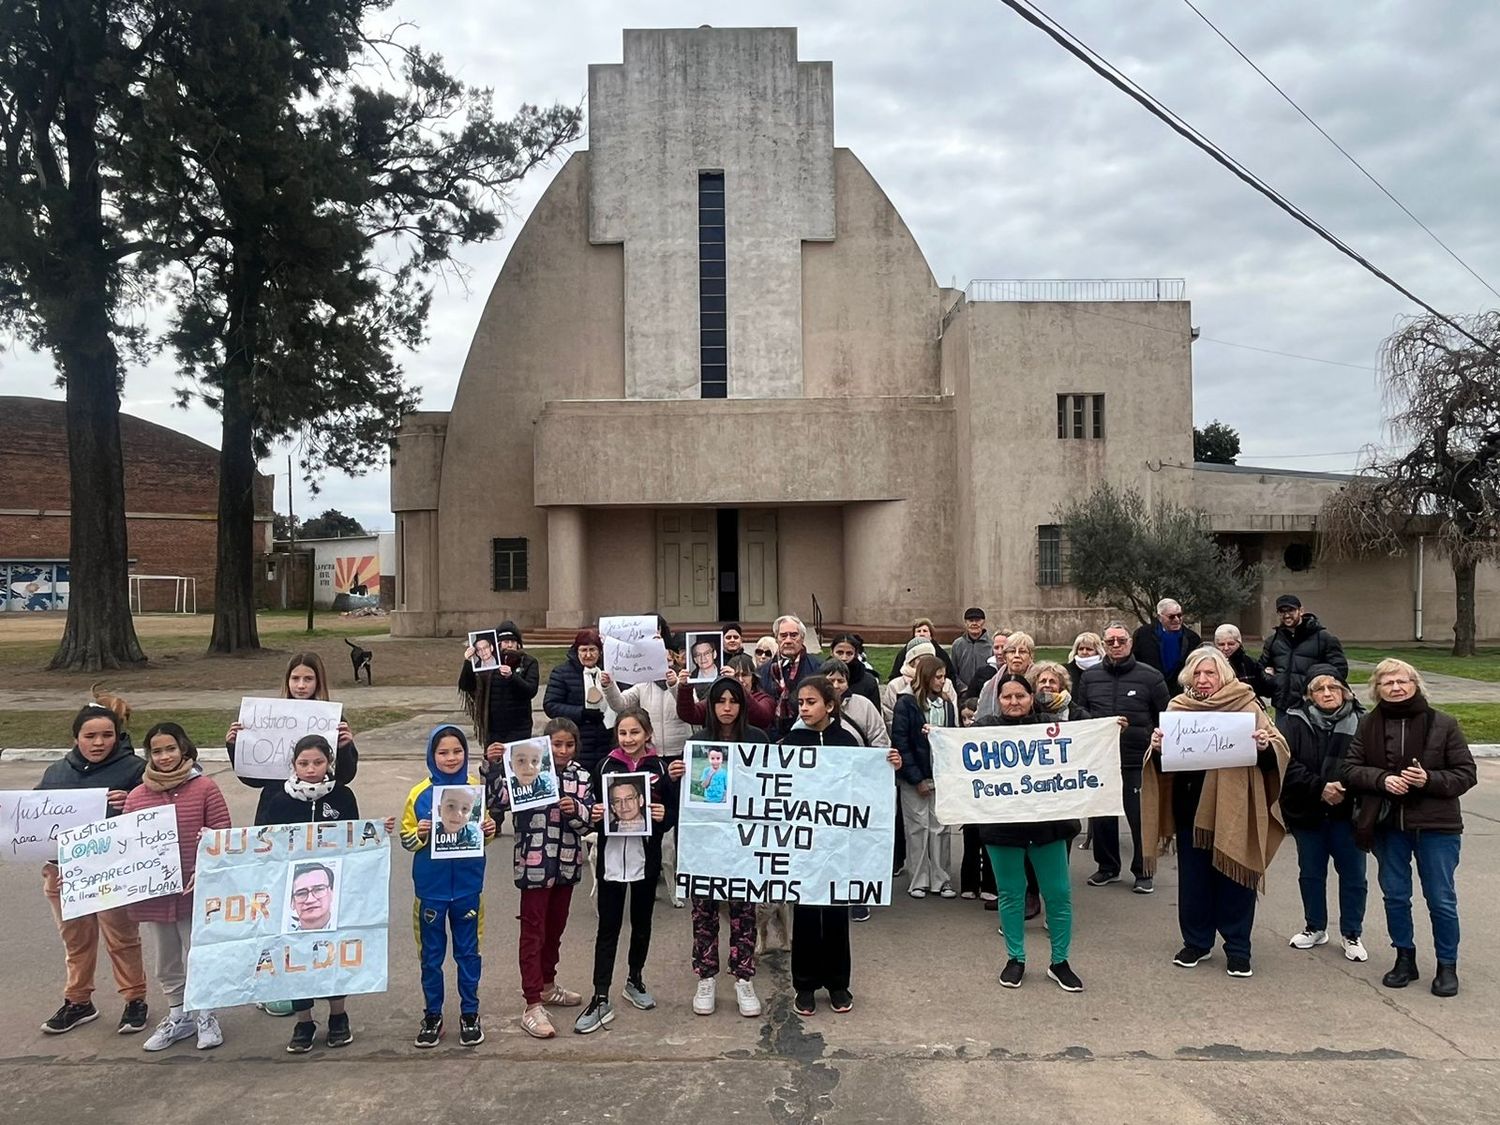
<point x="1288" y="601"/>
<point x="974" y="613"/>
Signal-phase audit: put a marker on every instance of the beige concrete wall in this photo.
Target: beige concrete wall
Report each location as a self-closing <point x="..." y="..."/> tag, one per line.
<point x="870" y="306"/>
<point x="838" y="450"/>
<point x="552" y="328"/>
<point x="810" y="560"/>
<point x="734" y="100"/>
<point x="417" y="460"/>
<point x="898" y="556"/>
<point x="622" y="561"/>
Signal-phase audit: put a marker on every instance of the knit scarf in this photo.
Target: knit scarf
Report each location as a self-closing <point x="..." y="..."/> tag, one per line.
<point x="1239" y="811"/>
<point x="164" y="781"/>
<point x="309" y="790"/>
<point x="1341" y="720"/>
<point x="1372" y="730"/>
<point x="784" y="677"/>
<point x="1050" y="704"/>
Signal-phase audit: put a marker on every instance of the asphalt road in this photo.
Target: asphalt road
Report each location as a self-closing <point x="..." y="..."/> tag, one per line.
<point x="932" y="1037"/>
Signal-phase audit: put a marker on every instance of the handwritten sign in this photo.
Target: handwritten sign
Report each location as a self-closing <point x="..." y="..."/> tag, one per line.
<point x="290" y="910"/>
<point x="269" y="728"/>
<point x="121" y="860"/>
<point x="1020" y="774"/>
<point x="1207" y="740"/>
<point x="31" y="820"/>
<point x="634" y="627"/>
<point x="635" y="662"/>
<point x="802" y="824"/>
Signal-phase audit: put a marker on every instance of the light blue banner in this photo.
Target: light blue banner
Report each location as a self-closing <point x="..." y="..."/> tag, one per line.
<point x="288" y="912"/>
<point x="803" y="824"/>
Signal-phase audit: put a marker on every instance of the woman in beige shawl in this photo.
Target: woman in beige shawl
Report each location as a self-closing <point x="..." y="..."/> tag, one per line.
<point x="1226" y="822"/>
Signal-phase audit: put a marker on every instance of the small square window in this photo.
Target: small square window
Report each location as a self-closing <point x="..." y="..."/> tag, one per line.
<point x="1080" y="416"/>
<point x="509" y="564"/>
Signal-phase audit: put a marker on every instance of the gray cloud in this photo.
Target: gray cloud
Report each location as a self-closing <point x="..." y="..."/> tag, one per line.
<point x="1008" y="158"/>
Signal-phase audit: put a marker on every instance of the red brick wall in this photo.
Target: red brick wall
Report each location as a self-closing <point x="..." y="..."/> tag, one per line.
<point x="166" y="473"/>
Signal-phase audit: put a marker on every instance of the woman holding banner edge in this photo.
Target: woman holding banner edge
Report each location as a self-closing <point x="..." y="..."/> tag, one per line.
<point x="1044" y="843"/>
<point x="1227" y="822"/>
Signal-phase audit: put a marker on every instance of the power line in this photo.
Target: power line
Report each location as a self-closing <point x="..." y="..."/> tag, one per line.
<point x="1286" y="355"/>
<point x="1106" y="70"/>
<point x="1347" y="155"/>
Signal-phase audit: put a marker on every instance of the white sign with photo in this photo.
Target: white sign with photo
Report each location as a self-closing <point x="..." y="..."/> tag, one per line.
<point x="530" y="775"/>
<point x="457" y="816"/>
<point x="269" y="728"/>
<point x="486" y="648"/>
<point x="705" y="654"/>
<point x="627" y="807"/>
<point x="1207" y="740"/>
<point x="121" y="860"/>
<point x="32" y="819"/>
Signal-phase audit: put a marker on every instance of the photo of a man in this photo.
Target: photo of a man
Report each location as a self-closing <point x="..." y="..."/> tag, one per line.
<point x="629" y="796"/>
<point x="484" y="650"/>
<point x="312" y="897"/>
<point x="456" y="830"/>
<point x="705" y="656"/>
<point x="529" y="769"/>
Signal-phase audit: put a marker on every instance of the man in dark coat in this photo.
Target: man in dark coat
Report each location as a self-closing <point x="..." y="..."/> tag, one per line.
<point x="1124" y="687"/>
<point x="1165" y="645"/>
<point x="780" y="675"/>
<point x="1299" y="642"/>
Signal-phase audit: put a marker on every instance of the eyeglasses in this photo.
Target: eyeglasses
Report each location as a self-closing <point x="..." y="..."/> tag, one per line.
<point x="1173" y="616"/>
<point x="764" y="652"/>
<point x="1115" y="642"/>
<point x="302" y="894"/>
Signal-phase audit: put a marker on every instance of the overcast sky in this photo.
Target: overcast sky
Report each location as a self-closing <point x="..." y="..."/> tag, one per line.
<point x="1009" y="159"/>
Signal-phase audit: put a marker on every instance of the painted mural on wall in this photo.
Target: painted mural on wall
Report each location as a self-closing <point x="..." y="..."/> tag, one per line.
<point x="355" y="580"/>
<point x="36" y="587"/>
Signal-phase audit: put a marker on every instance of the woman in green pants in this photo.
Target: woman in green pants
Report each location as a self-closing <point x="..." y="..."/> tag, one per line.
<point x="1045" y="844"/>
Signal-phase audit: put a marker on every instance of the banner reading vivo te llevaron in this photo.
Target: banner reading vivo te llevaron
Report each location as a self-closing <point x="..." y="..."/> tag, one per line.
<point x="802" y="824"/>
<point x="1005" y="775"/>
<point x="288" y="911"/>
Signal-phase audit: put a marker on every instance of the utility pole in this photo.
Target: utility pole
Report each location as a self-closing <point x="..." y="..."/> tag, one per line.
<point x="291" y="532"/>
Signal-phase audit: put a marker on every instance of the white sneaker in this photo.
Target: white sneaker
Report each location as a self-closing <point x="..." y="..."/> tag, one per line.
<point x="744" y="993"/>
<point x="1309" y="938"/>
<point x="209" y="1033"/>
<point x="1354" y="949"/>
<point x="707" y="996"/>
<point x="170" y="1031"/>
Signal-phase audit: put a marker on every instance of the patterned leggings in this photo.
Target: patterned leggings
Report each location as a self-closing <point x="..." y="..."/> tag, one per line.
<point x="706" y="938"/>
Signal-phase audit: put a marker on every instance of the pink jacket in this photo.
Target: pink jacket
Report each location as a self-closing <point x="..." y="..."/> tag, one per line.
<point x="199" y="805"/>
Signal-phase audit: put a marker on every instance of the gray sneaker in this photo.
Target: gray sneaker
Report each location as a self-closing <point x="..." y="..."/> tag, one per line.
<point x="599" y="1012"/>
<point x="636" y="993"/>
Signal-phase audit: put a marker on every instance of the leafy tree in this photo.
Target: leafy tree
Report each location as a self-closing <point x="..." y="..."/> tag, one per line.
<point x="71" y="270"/>
<point x="331" y="524"/>
<point x="1443" y="391"/>
<point x="1216" y="444"/>
<point x="282" y="527"/>
<point x="307" y="213"/>
<point x="1125" y="553"/>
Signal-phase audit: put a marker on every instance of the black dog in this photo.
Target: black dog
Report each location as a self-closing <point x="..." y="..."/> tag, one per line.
<point x="361" y="658"/>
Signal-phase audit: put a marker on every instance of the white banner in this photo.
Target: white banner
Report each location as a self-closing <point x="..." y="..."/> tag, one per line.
<point x="32" y="819"/>
<point x="1207" y="740"/>
<point x="289" y="911"/>
<point x="635" y="662"/>
<point x="804" y="824"/>
<point x="113" y="862"/>
<point x="1008" y="775"/>
<point x="631" y="627"/>
<point x="269" y="728"/>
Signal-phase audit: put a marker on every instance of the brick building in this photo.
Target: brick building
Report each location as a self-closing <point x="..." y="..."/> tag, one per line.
<point x="171" y="501"/>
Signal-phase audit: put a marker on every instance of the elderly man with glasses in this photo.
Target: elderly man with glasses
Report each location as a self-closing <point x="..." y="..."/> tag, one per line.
<point x="1166" y="644"/>
<point x="1136" y="694"/>
<point x="780" y="675"/>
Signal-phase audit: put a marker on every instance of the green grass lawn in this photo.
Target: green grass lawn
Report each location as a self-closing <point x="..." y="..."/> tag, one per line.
<point x="44" y="729"/>
<point x="1480" y="721"/>
<point x="1484" y="665"/>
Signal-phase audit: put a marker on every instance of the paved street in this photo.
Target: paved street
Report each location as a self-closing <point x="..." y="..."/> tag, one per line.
<point x="932" y="1038"/>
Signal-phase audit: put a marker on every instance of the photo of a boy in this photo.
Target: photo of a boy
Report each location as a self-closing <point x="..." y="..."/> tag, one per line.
<point x="531" y="776"/>
<point x="457" y="829"/>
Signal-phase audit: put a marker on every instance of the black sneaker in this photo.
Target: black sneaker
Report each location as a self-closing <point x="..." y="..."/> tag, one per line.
<point x="1066" y="978"/>
<point x="301" y="1041"/>
<point x="805" y="1004"/>
<point x="1011" y="975"/>
<point x="1239" y="967"/>
<point x="992" y="904"/>
<point x="69" y="1016"/>
<point x="859" y="914"/>
<point x="1103" y="878"/>
<point x="470" y="1030"/>
<point x="431" y="1030"/>
<point x="339" y="1032"/>
<point x="1144" y="886"/>
<point x="840" y="1000"/>
<point x="1190" y="955"/>
<point x="133" y="1018"/>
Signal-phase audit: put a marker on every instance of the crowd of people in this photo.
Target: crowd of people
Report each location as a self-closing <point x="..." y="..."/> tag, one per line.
<point x="1343" y="779"/>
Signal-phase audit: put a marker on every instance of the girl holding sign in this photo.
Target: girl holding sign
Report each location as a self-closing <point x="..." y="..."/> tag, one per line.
<point x="174" y="778"/>
<point x="98" y="760"/>
<point x="305" y="679"/>
<point x="821" y="957"/>
<point x="1227" y="822"/>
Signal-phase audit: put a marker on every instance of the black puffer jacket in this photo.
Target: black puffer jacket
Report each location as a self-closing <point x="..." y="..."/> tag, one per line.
<point x="1033" y="833"/>
<point x="1130" y="689"/>
<point x="862" y="680"/>
<point x="1317" y="757"/>
<point x="1290" y="653"/>
<point x="501" y="705"/>
<point x="564" y="700"/>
